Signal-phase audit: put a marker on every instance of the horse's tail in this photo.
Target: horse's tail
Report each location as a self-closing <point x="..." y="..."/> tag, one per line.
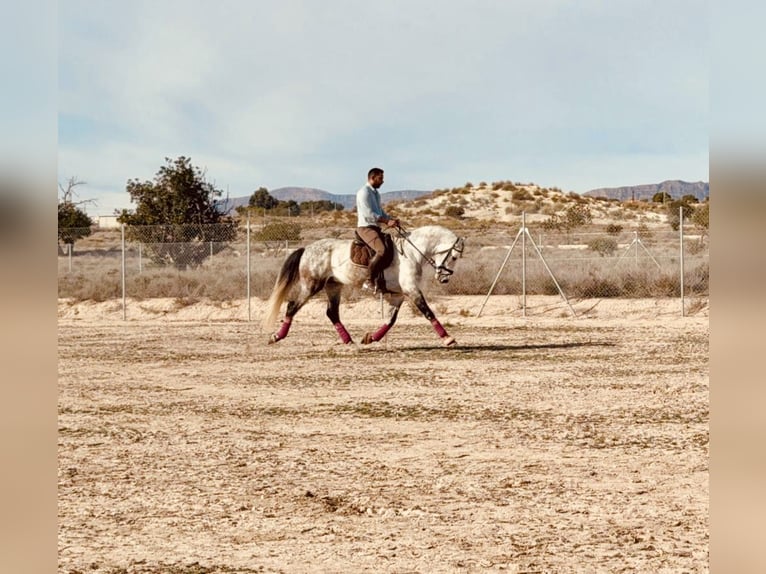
<point x="287" y="277"/>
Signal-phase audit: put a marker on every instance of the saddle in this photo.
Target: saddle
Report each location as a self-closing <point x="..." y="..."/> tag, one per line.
<point x="361" y="253"/>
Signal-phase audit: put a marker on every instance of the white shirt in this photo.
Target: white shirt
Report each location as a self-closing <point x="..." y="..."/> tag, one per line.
<point x="368" y="208"/>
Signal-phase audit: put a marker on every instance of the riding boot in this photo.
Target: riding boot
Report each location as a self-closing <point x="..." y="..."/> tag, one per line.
<point x="376" y="273"/>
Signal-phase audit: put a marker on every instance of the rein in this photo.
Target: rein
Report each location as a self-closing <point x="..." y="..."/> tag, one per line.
<point x="440" y="268"/>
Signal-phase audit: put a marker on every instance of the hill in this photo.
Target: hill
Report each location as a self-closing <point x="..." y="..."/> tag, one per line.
<point x="506" y="201"/>
<point x="301" y="194"/>
<point x="675" y="188"/>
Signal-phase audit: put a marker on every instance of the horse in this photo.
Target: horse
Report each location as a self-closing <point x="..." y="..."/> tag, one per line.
<point x="327" y="265"/>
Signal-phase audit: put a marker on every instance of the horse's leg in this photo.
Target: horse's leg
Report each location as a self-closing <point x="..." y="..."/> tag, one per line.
<point x="293" y="306"/>
<point x="333" y="291"/>
<point x="395" y="301"/>
<point x="420" y="303"/>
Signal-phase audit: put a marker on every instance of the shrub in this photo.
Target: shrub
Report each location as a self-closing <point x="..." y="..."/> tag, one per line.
<point x="701" y="216"/>
<point x="279" y="231"/>
<point x="603" y="245"/>
<point x="594" y="287"/>
<point x="521" y="195"/>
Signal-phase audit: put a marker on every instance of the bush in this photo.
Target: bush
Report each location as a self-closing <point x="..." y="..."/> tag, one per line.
<point x="279" y="231"/>
<point x="603" y="245"/>
<point x="456" y="211"/>
<point x="521" y="195"/>
<point x="595" y="287"/>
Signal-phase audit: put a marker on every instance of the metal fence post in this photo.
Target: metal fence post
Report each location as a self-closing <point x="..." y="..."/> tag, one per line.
<point x="524" y="262"/>
<point x="122" y="233"/>
<point x="247" y="266"/>
<point x="681" y="235"/>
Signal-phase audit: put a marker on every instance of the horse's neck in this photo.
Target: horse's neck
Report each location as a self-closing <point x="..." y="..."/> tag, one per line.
<point x="431" y="236"/>
<point x="426" y="239"/>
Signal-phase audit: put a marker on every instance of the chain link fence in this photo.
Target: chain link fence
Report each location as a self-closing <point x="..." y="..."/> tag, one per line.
<point x="236" y="261"/>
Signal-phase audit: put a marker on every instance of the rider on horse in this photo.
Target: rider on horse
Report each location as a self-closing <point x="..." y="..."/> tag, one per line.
<point x="370" y="216"/>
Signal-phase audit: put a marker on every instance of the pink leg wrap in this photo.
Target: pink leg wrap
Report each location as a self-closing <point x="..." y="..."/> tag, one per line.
<point x="380" y="333"/>
<point x="344" y="336"/>
<point x="283" y="329"/>
<point x="438" y="328"/>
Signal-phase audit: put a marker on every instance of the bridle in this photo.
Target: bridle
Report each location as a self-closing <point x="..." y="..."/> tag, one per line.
<point x="443" y="273"/>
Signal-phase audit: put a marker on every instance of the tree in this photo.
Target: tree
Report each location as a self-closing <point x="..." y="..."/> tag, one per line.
<point x="178" y="215"/>
<point x="701" y="216"/>
<point x="289" y="208"/>
<point x="319" y="206"/>
<point x="661" y="197"/>
<point x="73" y="222"/>
<point x="672" y="210"/>
<point x="263" y="199"/>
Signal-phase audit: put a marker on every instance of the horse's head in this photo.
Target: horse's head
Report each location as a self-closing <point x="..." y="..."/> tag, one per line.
<point x="452" y="254"/>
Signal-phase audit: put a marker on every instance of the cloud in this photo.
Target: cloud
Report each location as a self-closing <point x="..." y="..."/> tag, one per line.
<point x="306" y="93"/>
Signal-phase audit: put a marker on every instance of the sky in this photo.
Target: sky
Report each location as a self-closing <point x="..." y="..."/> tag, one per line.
<point x="261" y="93"/>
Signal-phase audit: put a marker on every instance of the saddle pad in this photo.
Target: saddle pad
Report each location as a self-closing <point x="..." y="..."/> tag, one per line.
<point x="361" y="253"/>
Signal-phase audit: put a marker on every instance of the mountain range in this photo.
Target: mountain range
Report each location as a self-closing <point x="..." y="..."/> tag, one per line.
<point x="301" y="194"/>
<point x="675" y="188"/>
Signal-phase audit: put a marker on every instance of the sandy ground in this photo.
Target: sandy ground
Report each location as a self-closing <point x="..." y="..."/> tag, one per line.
<point x="539" y="444"/>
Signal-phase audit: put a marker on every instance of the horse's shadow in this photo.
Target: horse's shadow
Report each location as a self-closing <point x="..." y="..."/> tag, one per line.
<point x="500" y="348"/>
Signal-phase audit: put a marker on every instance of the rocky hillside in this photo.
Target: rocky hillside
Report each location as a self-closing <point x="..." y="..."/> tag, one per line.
<point x="506" y="201"/>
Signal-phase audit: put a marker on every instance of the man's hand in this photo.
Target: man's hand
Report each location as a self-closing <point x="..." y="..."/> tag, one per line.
<point x="392" y="223"/>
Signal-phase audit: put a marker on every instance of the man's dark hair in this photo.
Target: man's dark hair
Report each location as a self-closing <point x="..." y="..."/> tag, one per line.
<point x="374" y="171"/>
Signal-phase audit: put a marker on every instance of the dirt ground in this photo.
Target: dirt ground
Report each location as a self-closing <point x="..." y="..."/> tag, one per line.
<point x="187" y="445"/>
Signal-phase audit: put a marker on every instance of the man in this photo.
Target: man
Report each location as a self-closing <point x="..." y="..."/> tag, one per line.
<point x="370" y="217"/>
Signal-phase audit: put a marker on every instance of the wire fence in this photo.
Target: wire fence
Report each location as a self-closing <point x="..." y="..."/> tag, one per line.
<point x="241" y="261"/>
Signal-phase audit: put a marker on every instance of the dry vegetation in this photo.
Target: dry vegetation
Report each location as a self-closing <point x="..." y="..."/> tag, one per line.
<point x="598" y="259"/>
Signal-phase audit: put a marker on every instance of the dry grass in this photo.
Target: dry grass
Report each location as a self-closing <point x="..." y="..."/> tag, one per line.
<point x="580" y="271"/>
<point x="490" y="223"/>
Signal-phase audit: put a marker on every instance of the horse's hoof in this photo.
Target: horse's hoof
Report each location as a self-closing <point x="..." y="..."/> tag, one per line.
<point x="273" y="339"/>
<point x="367" y="339"/>
<point x="449" y="342"/>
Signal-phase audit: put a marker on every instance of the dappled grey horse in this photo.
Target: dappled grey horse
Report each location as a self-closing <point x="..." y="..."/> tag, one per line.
<point x="327" y="265"/>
